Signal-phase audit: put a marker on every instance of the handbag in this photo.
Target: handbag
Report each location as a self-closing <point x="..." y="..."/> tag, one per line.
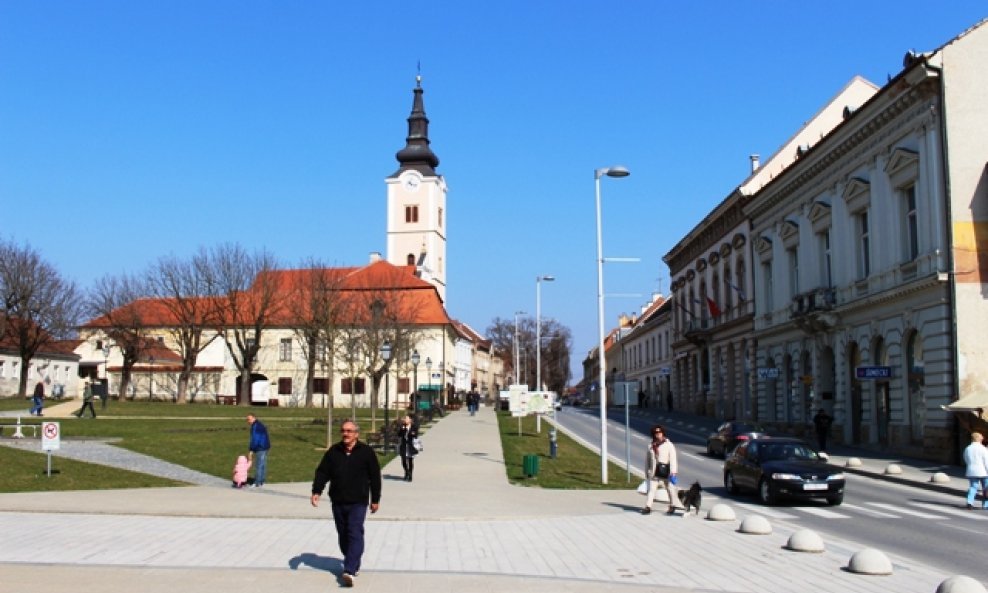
<point x="643" y="487"/>
<point x="662" y="470"/>
<point x="417" y="443"/>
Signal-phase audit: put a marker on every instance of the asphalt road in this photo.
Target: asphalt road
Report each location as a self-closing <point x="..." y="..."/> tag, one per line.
<point x="930" y="527"/>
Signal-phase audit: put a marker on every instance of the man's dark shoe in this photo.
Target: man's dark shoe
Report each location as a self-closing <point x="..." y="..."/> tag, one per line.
<point x="671" y="512"/>
<point x="347" y="579"/>
<point x="646" y="510"/>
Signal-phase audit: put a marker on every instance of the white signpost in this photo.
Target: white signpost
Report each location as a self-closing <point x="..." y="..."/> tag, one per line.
<point x="51" y="440"/>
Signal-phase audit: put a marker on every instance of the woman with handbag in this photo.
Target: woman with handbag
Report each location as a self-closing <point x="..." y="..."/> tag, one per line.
<point x="408" y="434"/>
<point x="661" y="469"/>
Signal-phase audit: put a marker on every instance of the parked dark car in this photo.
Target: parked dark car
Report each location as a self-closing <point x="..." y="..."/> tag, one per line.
<point x="782" y="467"/>
<point x="729" y="434"/>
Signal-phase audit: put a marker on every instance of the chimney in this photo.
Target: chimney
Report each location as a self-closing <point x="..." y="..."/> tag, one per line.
<point x="754" y="162"/>
<point x="375" y="256"/>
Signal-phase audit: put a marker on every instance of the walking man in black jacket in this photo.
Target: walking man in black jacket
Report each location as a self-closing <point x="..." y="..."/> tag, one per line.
<point x="354" y="476"/>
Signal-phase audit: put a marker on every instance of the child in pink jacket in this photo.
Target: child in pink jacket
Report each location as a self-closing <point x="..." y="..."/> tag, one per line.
<point x="240" y="471"/>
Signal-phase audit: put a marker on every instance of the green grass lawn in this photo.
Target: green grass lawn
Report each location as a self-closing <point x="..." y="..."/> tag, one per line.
<point x="575" y="466"/>
<point x="207" y="438"/>
<point x="25" y="471"/>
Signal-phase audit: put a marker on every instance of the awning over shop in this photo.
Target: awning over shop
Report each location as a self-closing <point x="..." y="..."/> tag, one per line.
<point x="976" y="403"/>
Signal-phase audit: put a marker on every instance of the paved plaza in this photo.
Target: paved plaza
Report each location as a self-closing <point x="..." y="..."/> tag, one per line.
<point x="458" y="527"/>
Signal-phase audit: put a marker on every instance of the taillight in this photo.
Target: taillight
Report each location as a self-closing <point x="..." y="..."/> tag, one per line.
<point x="742" y="437"/>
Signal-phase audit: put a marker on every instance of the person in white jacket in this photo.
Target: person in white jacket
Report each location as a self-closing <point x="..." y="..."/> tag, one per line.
<point x="660" y="470"/>
<point x="976" y="460"/>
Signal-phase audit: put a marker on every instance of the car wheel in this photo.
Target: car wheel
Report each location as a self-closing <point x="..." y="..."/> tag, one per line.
<point x="835" y="500"/>
<point x="765" y="494"/>
<point x="729" y="484"/>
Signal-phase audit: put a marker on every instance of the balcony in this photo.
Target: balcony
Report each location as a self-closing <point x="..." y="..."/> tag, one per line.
<point x="698" y="331"/>
<point x="813" y="312"/>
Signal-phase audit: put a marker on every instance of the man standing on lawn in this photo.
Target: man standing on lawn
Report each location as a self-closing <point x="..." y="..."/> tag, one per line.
<point x="259" y="445"/>
<point x="354" y="476"/>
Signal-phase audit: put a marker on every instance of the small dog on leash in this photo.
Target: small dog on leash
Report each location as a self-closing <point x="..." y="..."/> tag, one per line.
<point x="691" y="498"/>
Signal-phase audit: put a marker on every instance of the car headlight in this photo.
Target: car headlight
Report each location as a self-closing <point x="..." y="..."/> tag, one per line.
<point x="785" y="477"/>
<point x="837" y="476"/>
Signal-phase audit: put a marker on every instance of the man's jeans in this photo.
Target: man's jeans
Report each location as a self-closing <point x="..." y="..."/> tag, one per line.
<point x="349" y="520"/>
<point x="972" y="490"/>
<point x="261" y="469"/>
<point x="37" y="405"/>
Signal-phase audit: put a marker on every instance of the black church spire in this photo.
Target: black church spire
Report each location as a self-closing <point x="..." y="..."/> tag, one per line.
<point x="417" y="155"/>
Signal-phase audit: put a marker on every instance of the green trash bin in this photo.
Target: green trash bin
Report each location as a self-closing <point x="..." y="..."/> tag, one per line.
<point x="530" y="465"/>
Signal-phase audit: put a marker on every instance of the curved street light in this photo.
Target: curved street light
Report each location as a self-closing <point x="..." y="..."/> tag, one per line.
<point x="616" y="171"/>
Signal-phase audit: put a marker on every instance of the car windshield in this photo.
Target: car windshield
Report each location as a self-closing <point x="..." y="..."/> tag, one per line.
<point x="787" y="451"/>
<point x="748" y="428"/>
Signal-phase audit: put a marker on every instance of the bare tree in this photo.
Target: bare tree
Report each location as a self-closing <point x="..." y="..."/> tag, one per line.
<point x="39" y="305"/>
<point x="315" y="307"/>
<point x="247" y="300"/>
<point x="116" y="307"/>
<point x="556" y="346"/>
<point x="181" y="291"/>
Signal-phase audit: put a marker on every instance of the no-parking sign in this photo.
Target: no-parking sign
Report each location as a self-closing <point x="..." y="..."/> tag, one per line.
<point x="51" y="436"/>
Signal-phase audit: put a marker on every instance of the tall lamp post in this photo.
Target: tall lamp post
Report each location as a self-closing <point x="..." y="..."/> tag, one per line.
<point x="616" y="171"/>
<point x="538" y="328"/>
<point x="386" y="357"/>
<point x="517" y="313"/>
<point x="416" y="359"/>
<point x="106" y="374"/>
<point x="428" y="369"/>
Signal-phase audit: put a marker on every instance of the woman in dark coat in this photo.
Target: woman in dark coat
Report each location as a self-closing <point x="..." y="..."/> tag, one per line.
<point x="407" y="434"/>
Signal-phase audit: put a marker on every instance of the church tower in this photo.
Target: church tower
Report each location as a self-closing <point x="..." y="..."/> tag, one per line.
<point x="417" y="203"/>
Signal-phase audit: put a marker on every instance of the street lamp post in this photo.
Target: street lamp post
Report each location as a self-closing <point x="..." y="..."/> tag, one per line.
<point x="517" y="313"/>
<point x="428" y="369"/>
<point x="616" y="171"/>
<point x="416" y="359"/>
<point x="538" y="328"/>
<point x="386" y="357"/>
<point x="106" y="375"/>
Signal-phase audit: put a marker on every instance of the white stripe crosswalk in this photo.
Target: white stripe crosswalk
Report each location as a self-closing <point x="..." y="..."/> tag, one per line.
<point x="878" y="510"/>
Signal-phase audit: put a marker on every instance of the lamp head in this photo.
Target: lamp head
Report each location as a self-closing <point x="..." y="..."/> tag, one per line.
<point x="547" y="278"/>
<point x="416" y="358"/>
<point x="615" y="171"/>
<point x="386" y="350"/>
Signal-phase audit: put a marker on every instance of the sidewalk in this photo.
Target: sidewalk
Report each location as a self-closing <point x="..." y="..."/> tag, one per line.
<point x="458" y="527"/>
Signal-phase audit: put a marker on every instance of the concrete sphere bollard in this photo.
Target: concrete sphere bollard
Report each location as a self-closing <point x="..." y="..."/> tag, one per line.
<point x="755" y="525"/>
<point x="853" y="462"/>
<point x="940" y="478"/>
<point x="720" y="512"/>
<point x="805" y="540"/>
<point x="870" y="561"/>
<point x="960" y="584"/>
<point x="893" y="469"/>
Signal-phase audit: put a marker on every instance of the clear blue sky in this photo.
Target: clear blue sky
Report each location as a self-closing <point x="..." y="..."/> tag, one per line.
<point x="130" y="130"/>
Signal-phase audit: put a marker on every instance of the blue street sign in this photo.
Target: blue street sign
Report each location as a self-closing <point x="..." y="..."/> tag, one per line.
<point x="873" y="372"/>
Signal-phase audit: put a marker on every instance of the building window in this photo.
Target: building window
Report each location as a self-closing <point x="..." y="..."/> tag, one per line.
<point x="403" y="384"/>
<point x="345" y="386"/>
<point x="320" y="385"/>
<point x="284" y="385"/>
<point x="826" y="271"/>
<point x="793" y="255"/>
<point x="285" y="350"/>
<point x="911" y="223"/>
<point x="864" y="246"/>
<point x="440" y="218"/>
<point x="411" y="213"/>
<point x="767" y="275"/>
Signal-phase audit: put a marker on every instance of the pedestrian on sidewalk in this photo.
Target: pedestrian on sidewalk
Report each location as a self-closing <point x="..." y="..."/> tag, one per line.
<point x="37" y="399"/>
<point x="661" y="468"/>
<point x="260" y="444"/>
<point x="822" y="422"/>
<point x="354" y="476"/>
<point x="976" y="472"/>
<point x="408" y="433"/>
<point x="240" y="471"/>
<point x="87" y="401"/>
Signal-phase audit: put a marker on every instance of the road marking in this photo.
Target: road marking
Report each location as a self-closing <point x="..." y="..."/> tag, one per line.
<point x="824" y="513"/>
<point x="767" y="511"/>
<point x="899" y="509"/>
<point x="976" y="514"/>
<point x="872" y="512"/>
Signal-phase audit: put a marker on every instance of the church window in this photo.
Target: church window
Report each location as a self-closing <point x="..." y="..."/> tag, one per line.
<point x="440" y="217"/>
<point x="410" y="260"/>
<point x="411" y="213"/>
